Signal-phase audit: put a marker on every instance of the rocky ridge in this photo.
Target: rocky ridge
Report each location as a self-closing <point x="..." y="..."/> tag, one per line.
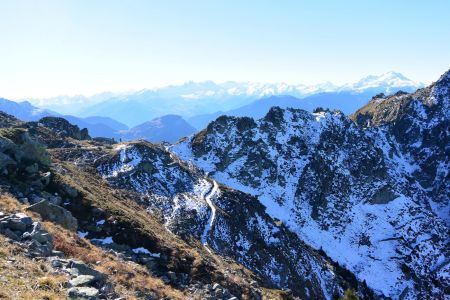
<point x="355" y="192"/>
<point x="226" y="221"/>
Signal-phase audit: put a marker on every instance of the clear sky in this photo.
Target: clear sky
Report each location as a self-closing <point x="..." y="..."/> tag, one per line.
<point x="71" y="47"/>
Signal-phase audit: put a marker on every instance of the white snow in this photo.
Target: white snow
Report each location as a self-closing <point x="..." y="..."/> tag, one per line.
<point x="82" y="234"/>
<point x="145" y="251"/>
<point x="105" y="241"/>
<point x="212" y="207"/>
<point x="129" y="159"/>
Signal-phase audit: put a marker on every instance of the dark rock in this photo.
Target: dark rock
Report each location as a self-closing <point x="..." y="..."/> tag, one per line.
<point x="64" y="128"/>
<point x="10" y="234"/>
<point x="383" y="195"/>
<point x="70" y="191"/>
<point x="46" y="178"/>
<point x="14" y="224"/>
<point x="32" y="169"/>
<point x="38" y="249"/>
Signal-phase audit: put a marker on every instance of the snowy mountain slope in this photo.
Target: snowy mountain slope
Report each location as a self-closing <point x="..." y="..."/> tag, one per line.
<point x="392" y="81"/>
<point x="225" y="221"/>
<point x="420" y="124"/>
<point x="354" y="193"/>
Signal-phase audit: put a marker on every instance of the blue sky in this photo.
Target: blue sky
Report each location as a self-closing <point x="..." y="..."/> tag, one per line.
<point x="84" y="46"/>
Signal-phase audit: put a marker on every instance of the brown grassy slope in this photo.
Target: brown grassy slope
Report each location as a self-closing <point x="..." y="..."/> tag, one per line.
<point x="24" y="278"/>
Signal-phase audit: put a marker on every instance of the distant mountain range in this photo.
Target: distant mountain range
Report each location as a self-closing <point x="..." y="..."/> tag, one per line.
<point x="168" y="128"/>
<point x="161" y="114"/>
<point x="193" y="99"/>
<point x="347" y="102"/>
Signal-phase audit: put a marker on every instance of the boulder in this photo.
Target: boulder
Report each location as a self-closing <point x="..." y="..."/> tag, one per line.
<point x="55" y="214"/>
<point x="82" y="280"/>
<point x="70" y="191"/>
<point x="83" y="293"/>
<point x="80" y="268"/>
<point x="38" y="249"/>
<point x="17" y="222"/>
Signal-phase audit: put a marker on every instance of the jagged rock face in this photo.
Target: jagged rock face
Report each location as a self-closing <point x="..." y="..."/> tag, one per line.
<point x="64" y="128"/>
<point x="229" y="222"/>
<point x="419" y="123"/>
<point x="346" y="190"/>
<point x="21" y="155"/>
<point x="147" y="169"/>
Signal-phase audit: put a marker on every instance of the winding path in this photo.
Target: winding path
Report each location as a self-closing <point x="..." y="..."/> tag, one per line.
<point x="210" y="223"/>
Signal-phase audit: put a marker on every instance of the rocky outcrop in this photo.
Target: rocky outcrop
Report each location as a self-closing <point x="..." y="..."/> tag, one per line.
<point x="64" y="128"/>
<point x="21" y="228"/>
<point x="55" y="213"/>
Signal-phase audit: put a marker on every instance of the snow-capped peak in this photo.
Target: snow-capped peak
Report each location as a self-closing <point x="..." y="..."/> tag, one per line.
<point x="389" y="80"/>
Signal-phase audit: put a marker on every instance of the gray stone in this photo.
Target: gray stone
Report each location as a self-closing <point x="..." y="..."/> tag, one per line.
<point x="56" y="263"/>
<point x="226" y="293"/>
<point x="165" y="279"/>
<point x="55" y="200"/>
<point x="38" y="249"/>
<point x="383" y="195"/>
<point x="216" y="286"/>
<point x="82" y="280"/>
<point x="42" y="237"/>
<point x="107" y="288"/>
<point x="83" y="269"/>
<point x="254" y="283"/>
<point x="73" y="272"/>
<point x="83" y="293"/>
<point x="35" y="198"/>
<point x="55" y="213"/>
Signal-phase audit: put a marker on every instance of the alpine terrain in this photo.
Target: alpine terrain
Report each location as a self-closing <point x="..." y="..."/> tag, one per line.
<point x="371" y="191"/>
<point x="292" y="205"/>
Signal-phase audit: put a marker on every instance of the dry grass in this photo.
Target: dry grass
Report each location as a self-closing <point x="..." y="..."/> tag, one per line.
<point x="10" y="204"/>
<point x="22" y="278"/>
<point x="128" y="277"/>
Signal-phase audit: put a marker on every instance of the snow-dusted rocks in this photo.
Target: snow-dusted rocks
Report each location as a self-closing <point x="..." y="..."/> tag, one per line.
<point x="223" y="220"/>
<point x="375" y="200"/>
